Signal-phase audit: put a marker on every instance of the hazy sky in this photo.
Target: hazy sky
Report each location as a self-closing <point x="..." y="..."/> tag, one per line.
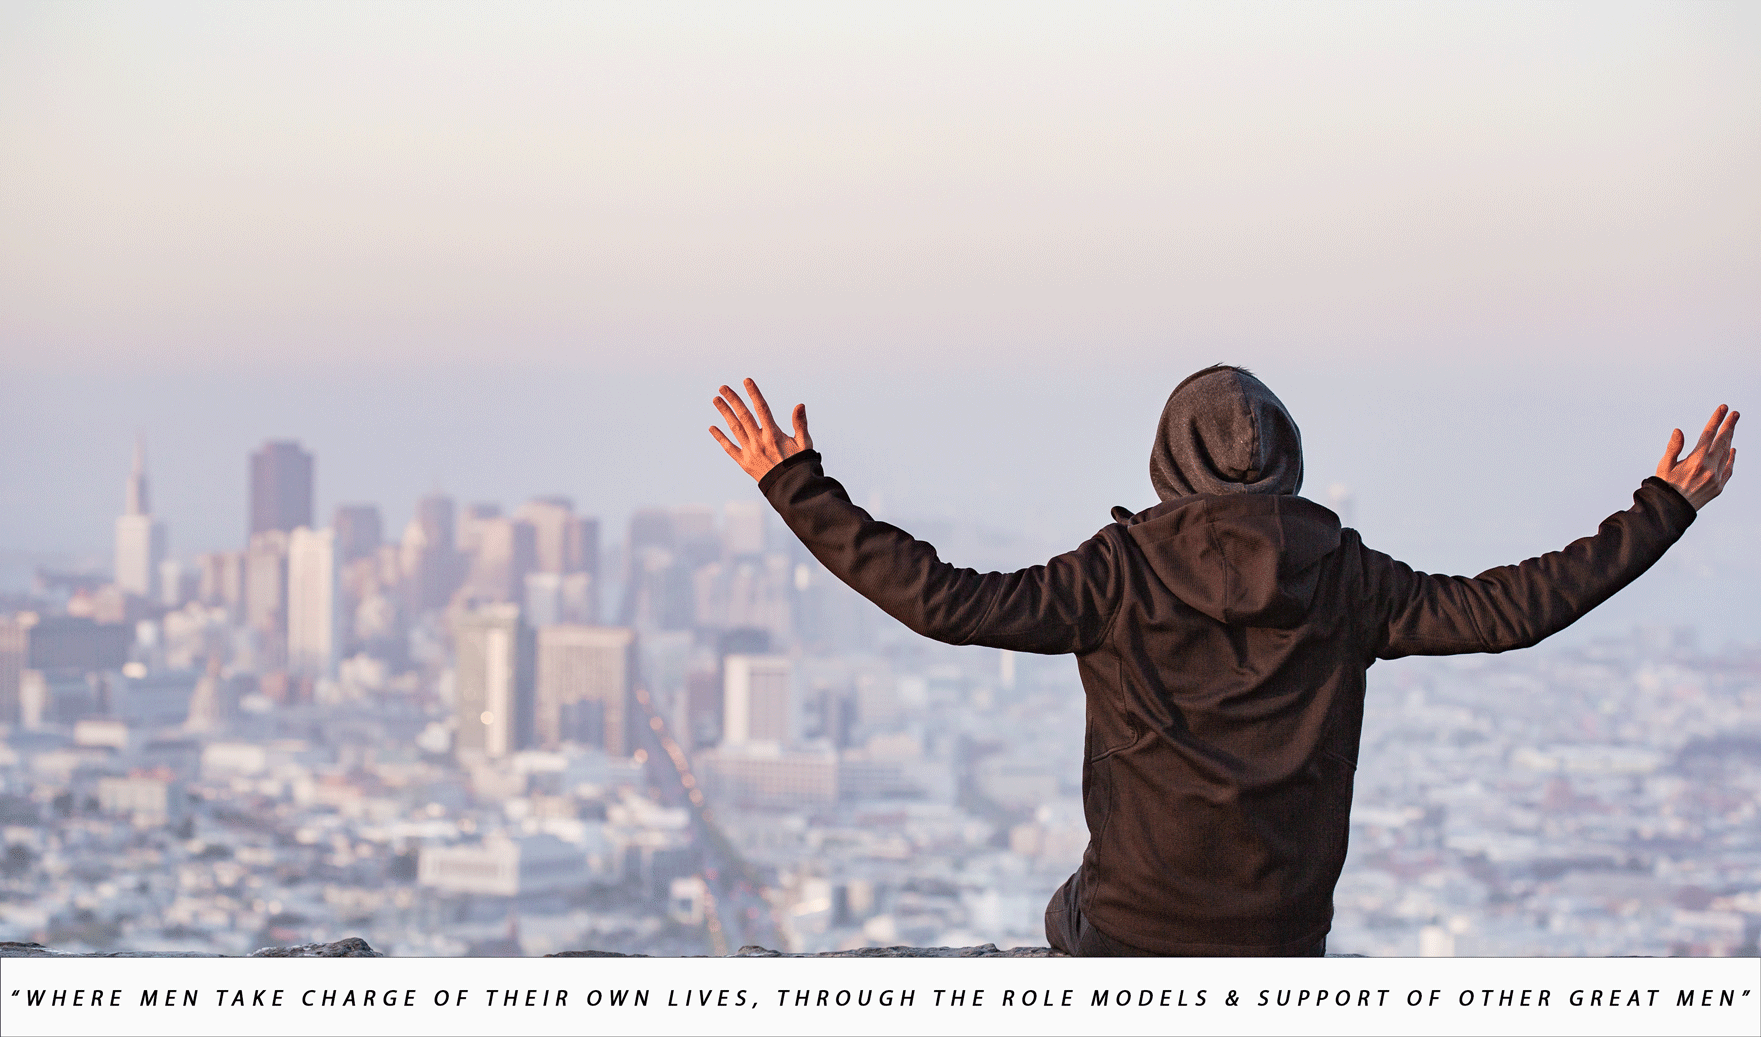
<point x="1489" y="254"/>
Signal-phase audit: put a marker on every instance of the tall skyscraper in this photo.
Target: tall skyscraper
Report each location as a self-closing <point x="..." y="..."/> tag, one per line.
<point x="138" y="501"/>
<point x="358" y="532"/>
<point x="140" y="539"/>
<point x="470" y="531"/>
<point x="431" y="564"/>
<point x="758" y="700"/>
<point x="435" y="515"/>
<point x="586" y="681"/>
<point x="564" y="542"/>
<point x="281" y="487"/>
<point x="494" y="660"/>
<point x="505" y="553"/>
<point x="314" y="632"/>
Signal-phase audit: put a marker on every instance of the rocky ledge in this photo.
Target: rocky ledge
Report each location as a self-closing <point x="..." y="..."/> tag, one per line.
<point x="355" y="947"/>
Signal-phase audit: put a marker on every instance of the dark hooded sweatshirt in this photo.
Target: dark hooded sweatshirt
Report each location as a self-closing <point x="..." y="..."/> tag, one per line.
<point x="1222" y="639"/>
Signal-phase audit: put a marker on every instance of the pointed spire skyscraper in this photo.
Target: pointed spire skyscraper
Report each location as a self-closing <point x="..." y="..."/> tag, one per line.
<point x="138" y="501"/>
<point x="140" y="540"/>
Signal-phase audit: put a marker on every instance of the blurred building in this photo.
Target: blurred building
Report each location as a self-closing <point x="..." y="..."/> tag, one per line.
<point x="266" y="582"/>
<point x="553" y="598"/>
<point x="703" y="707"/>
<point x="650" y="527"/>
<point x="585" y="687"/>
<point x="281" y="488"/>
<point x="500" y="866"/>
<point x="435" y="513"/>
<point x="494" y="681"/>
<point x="66" y="666"/>
<point x="563" y="542"/>
<point x="659" y="593"/>
<point x="429" y="554"/>
<point x="695" y="540"/>
<point x="220" y="578"/>
<point x="758" y="700"/>
<point x="140" y="539"/>
<point x="314" y="629"/>
<point x="743" y="532"/>
<point x="147" y="799"/>
<point x="770" y="776"/>
<point x="470" y="528"/>
<point x="177" y="585"/>
<point x="505" y="552"/>
<point x="14" y="660"/>
<point x="358" y="532"/>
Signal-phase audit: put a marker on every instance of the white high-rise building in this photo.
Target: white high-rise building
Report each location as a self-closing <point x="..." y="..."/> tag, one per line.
<point x="758" y="700"/>
<point x="313" y="603"/>
<point x="493" y="651"/>
<point x="140" y="539"/>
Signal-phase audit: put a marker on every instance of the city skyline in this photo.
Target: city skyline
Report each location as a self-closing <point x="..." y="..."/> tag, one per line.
<point x="737" y="748"/>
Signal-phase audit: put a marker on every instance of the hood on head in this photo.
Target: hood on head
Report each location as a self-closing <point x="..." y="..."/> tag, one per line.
<point x="1223" y="431"/>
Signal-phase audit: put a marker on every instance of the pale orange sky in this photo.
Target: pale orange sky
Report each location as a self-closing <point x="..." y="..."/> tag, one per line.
<point x="632" y="185"/>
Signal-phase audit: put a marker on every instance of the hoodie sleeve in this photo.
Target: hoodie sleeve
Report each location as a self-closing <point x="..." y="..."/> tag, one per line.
<point x="1062" y="606"/>
<point x="1515" y="606"/>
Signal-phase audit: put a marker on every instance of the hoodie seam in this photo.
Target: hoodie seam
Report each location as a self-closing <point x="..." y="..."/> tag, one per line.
<point x="1253" y="422"/>
<point x="1227" y="570"/>
<point x="1119" y="577"/>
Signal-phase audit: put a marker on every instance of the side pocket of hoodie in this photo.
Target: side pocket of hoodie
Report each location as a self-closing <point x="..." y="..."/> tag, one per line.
<point x="1097" y="800"/>
<point x="1111" y="724"/>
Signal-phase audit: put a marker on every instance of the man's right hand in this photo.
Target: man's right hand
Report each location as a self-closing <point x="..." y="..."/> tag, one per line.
<point x="757" y="447"/>
<point x="1703" y="474"/>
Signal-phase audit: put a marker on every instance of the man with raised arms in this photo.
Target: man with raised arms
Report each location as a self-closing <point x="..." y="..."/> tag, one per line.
<point x="1222" y="637"/>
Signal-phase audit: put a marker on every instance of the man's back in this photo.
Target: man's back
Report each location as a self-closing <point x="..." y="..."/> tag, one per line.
<point x="1226" y="702"/>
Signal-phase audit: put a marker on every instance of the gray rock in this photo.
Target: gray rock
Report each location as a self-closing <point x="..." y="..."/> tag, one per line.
<point x="353" y="947"/>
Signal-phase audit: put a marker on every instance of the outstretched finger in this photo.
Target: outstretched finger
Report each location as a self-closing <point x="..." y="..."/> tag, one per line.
<point x="740" y="435"/>
<point x="760" y="405"/>
<point x="1671" y="453"/>
<point x="741" y="415"/>
<point x="800" y="420"/>
<point x="1725" y="434"/>
<point x="727" y="444"/>
<point x="1712" y="426"/>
